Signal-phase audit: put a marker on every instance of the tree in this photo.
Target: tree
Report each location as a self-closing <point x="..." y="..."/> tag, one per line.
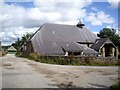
<point x="19" y="42"/>
<point x="111" y="34"/>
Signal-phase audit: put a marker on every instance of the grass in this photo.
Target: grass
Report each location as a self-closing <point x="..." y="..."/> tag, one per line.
<point x="2" y="54"/>
<point x="62" y="60"/>
<point x="115" y="87"/>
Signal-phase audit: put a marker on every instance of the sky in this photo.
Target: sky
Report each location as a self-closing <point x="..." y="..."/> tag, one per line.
<point x="19" y="17"/>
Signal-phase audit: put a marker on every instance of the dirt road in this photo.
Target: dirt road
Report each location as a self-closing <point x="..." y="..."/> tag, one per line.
<point x="17" y="73"/>
<point x="23" y="73"/>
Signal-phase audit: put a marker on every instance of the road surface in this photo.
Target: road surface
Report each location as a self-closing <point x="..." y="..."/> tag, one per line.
<point x="24" y="73"/>
<point x="17" y="73"/>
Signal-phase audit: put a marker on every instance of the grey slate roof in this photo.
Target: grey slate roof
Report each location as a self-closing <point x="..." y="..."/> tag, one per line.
<point x="70" y="46"/>
<point x="51" y="38"/>
<point x="87" y="50"/>
<point x="96" y="46"/>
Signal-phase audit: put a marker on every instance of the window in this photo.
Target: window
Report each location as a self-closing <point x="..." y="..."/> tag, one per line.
<point x="77" y="53"/>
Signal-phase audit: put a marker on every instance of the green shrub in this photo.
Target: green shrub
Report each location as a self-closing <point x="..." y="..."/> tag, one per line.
<point x="62" y="60"/>
<point x="2" y="53"/>
<point x="18" y="54"/>
<point x="34" y="56"/>
<point x="106" y="62"/>
<point x="115" y="87"/>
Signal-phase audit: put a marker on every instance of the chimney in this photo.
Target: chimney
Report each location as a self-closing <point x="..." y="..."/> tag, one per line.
<point x="80" y="24"/>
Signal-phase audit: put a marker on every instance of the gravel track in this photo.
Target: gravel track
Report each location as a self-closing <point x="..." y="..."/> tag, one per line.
<point x="24" y="73"/>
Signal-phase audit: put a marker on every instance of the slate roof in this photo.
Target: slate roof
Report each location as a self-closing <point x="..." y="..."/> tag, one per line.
<point x="51" y="38"/>
<point x="96" y="46"/>
<point x="11" y="49"/>
<point x="88" y="51"/>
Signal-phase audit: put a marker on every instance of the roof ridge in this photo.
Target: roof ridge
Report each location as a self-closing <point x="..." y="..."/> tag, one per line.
<point x="58" y="24"/>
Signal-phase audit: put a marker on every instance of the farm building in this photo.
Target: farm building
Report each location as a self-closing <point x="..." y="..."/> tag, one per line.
<point x="11" y="50"/>
<point x="105" y="47"/>
<point x="57" y="39"/>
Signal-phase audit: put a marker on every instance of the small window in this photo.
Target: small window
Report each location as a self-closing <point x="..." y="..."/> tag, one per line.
<point x="77" y="53"/>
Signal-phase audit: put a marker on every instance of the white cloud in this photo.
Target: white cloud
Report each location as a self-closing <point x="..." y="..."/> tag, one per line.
<point x="99" y="18"/>
<point x="62" y="10"/>
<point x="68" y="22"/>
<point x="13" y="15"/>
<point x="94" y="8"/>
<point x="95" y="33"/>
<point x="44" y="11"/>
<point x="17" y="20"/>
<point x="96" y="23"/>
<point x="113" y="3"/>
<point x="35" y="14"/>
<point x="48" y="5"/>
<point x="105" y="18"/>
<point x="108" y="27"/>
<point x="9" y="35"/>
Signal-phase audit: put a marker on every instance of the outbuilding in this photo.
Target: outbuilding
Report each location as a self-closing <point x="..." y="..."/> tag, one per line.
<point x="11" y="50"/>
<point x="105" y="47"/>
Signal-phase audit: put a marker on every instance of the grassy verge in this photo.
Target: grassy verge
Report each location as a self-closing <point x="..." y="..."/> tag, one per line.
<point x="2" y="54"/>
<point x="115" y="87"/>
<point x="62" y="60"/>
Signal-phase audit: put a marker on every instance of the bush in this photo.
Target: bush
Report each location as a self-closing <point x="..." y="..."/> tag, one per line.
<point x="2" y="53"/>
<point x="115" y="87"/>
<point x="18" y="54"/>
<point x="34" y="56"/>
<point x="63" y="60"/>
<point x="21" y="54"/>
<point x="106" y="62"/>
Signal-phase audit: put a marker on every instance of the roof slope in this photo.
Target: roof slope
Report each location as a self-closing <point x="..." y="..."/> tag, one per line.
<point x="51" y="38"/>
<point x="11" y="49"/>
<point x="96" y="46"/>
<point x="86" y="50"/>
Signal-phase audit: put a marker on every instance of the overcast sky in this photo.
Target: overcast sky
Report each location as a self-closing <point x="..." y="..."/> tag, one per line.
<point x="18" y="18"/>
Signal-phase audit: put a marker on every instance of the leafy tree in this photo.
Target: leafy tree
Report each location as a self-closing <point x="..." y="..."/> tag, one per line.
<point x="111" y="34"/>
<point x="19" y="42"/>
